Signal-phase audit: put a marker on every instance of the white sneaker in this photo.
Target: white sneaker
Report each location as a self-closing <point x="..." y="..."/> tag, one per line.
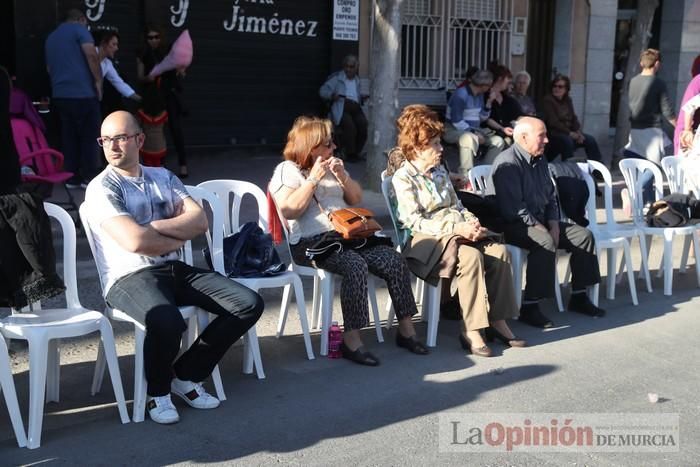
<point x="194" y="394"/>
<point x="161" y="410"/>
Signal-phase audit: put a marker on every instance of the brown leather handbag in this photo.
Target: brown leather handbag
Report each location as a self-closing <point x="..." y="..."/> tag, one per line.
<point x="352" y="223"/>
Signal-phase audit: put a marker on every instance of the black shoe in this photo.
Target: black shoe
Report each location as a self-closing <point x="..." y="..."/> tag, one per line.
<point x="581" y="304"/>
<point x="531" y="314"/>
<point x="412" y="344"/>
<point x="492" y="333"/>
<point x="358" y="356"/>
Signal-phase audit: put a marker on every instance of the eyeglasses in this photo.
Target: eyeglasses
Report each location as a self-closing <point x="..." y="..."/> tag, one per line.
<point x="559" y="86"/>
<point x="153" y="37"/>
<point x="119" y="139"/>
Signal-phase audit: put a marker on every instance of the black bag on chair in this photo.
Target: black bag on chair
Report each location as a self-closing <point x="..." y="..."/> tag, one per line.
<point x="249" y="253"/>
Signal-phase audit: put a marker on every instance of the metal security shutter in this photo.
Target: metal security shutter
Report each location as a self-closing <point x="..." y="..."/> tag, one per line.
<point x="257" y="66"/>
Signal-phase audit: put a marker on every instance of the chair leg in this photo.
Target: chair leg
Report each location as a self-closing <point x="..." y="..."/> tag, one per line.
<point x="110" y="352"/>
<point x="432" y="300"/>
<point x="696" y="249"/>
<point x="644" y="270"/>
<point x="684" y="256"/>
<point x="372" y="296"/>
<point x="138" y="411"/>
<point x="316" y="303"/>
<point x="53" y="371"/>
<point x="630" y="272"/>
<point x="557" y="290"/>
<point x="612" y="275"/>
<point x="251" y="354"/>
<point x="517" y="266"/>
<point x="38" y="353"/>
<point x="100" y="366"/>
<point x="326" y="312"/>
<point x="301" y="307"/>
<point x="668" y="262"/>
<point x="202" y="322"/>
<point x="7" y="385"/>
<point x="284" y="306"/>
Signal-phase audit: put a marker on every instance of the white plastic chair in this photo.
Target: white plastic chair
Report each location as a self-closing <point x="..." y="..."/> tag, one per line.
<point x="193" y="315"/>
<point x="614" y="229"/>
<point x="7" y="385"/>
<point x="322" y="301"/>
<point x="609" y="242"/>
<point x="631" y="170"/>
<point x="429" y="296"/>
<point x="673" y="168"/>
<point x="479" y="177"/>
<point x="43" y="331"/>
<point x="229" y="222"/>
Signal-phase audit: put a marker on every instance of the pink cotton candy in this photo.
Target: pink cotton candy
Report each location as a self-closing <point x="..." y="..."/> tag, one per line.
<point x="180" y="56"/>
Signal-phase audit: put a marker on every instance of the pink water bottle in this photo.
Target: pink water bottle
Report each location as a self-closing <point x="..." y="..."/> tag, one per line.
<point x="335" y="338"/>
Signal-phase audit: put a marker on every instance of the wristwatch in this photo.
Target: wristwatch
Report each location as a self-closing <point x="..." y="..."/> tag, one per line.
<point x="313" y="180"/>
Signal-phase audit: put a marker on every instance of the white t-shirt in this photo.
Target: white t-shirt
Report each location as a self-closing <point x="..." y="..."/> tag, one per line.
<point x="328" y="192"/>
<point x="156" y="194"/>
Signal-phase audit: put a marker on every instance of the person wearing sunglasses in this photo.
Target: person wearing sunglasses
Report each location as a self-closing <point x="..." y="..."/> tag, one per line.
<point x="563" y="128"/>
<point x="310" y="182"/>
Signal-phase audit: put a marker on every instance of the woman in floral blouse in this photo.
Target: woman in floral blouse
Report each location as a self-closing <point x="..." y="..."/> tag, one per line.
<point x="447" y="241"/>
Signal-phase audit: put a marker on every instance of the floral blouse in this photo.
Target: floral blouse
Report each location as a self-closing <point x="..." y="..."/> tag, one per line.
<point x="427" y="203"/>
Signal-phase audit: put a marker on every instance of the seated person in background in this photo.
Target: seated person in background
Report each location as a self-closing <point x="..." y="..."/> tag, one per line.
<point x="307" y="184"/>
<point x="141" y="217"/>
<point x="466" y="110"/>
<point x="521" y="83"/>
<point x="563" y="127"/>
<point x="504" y="109"/>
<point x="528" y="203"/>
<point x="342" y="90"/>
<point x="447" y="240"/>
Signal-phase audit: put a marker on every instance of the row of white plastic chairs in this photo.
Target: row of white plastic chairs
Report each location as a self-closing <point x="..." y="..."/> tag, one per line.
<point x="44" y="329"/>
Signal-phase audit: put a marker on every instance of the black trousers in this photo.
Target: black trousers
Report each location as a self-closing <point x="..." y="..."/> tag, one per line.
<point x="565" y="145"/>
<point x="152" y="296"/>
<point x="573" y="238"/>
<point x="353" y="124"/>
<point x="174" y="109"/>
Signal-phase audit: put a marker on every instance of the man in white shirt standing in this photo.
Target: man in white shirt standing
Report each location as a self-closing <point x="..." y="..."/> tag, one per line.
<point x="342" y="90"/>
<point x="140" y="218"/>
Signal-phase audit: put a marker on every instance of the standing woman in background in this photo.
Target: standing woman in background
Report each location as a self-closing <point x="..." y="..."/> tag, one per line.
<point x="152" y="113"/>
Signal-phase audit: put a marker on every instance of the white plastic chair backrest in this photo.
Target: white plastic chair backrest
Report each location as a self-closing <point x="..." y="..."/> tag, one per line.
<point x="69" y="241"/>
<point x="390" y="200"/>
<point x="590" y="202"/>
<point x="607" y="190"/>
<point x="674" y="173"/>
<point x="480" y="177"/>
<point x="215" y="236"/>
<point x="631" y="170"/>
<point x="239" y="188"/>
<point x="691" y="171"/>
<point x="285" y="231"/>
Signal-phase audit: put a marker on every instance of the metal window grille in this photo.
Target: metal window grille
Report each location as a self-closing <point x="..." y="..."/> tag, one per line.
<point x="441" y="39"/>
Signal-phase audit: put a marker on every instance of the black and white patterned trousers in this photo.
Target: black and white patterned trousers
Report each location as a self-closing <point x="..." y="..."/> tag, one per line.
<point x="354" y="265"/>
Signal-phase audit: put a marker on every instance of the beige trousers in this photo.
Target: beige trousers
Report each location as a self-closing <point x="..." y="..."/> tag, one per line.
<point x="484" y="280"/>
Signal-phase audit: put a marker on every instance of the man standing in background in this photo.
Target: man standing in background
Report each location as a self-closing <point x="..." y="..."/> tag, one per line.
<point x="76" y="86"/>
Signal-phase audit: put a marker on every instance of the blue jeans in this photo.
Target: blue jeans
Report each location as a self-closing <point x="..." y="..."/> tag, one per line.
<point x="80" y="127"/>
<point x="152" y="296"/>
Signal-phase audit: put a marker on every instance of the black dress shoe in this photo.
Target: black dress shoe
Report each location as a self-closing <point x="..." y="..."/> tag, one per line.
<point x="492" y="333"/>
<point x="358" y="356"/>
<point x="581" y="304"/>
<point x="531" y="314"/>
<point x="411" y="344"/>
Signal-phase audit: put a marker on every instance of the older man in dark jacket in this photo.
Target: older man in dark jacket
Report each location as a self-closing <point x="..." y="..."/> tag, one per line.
<point x="527" y="199"/>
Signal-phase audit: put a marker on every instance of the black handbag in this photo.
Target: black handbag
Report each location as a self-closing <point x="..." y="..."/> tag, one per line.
<point x="249" y="253"/>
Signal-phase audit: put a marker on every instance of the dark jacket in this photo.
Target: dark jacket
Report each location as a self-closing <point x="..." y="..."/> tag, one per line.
<point x="27" y="258"/>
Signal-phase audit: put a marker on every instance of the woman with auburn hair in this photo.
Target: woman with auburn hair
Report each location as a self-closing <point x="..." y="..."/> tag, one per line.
<point x="446" y="240"/>
<point x="310" y="182"/>
<point x="563" y="128"/>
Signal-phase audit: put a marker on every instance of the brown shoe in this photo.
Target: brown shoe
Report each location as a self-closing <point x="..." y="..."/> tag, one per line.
<point x="483" y="351"/>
